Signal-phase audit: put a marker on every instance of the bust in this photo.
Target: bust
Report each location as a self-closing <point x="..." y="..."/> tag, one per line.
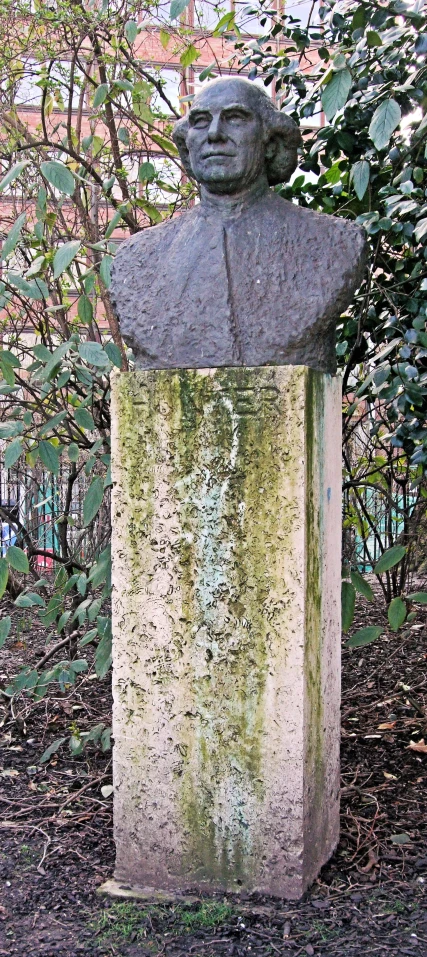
<point x="245" y="277"/>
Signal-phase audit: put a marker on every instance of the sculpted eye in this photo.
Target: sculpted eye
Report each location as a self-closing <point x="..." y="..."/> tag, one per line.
<point x="236" y="116"/>
<point x="200" y="121"/>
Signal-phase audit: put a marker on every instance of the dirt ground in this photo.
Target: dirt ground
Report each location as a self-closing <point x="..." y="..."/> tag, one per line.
<point x="56" y="844"/>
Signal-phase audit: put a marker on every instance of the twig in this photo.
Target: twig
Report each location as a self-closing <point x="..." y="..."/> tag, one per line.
<point x="52" y="651"/>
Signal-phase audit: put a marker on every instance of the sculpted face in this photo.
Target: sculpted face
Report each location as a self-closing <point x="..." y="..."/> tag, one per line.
<point x="225" y="137"/>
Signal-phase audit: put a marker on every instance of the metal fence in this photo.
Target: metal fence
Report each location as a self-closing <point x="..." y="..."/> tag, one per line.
<point x="33" y="503"/>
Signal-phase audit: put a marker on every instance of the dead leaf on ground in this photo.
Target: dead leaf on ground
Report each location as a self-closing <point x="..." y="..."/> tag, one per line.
<point x="420" y="746"/>
<point x="386" y="726"/>
<point x="389" y="777"/>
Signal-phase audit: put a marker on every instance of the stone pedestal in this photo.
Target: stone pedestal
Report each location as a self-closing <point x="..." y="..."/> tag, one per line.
<point x="226" y="549"/>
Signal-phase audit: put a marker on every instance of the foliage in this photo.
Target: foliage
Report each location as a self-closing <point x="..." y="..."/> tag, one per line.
<point x="364" y="64"/>
<point x="97" y="163"/>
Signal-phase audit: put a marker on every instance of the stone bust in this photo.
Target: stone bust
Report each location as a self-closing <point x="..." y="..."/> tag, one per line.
<point x="245" y="277"/>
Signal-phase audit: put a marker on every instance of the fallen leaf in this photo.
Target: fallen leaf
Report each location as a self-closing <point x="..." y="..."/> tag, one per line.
<point x="400" y="839"/>
<point x="389" y="777"/>
<point x="9" y="773"/>
<point x="107" y="790"/>
<point x="309" y="950"/>
<point x="420" y="746"/>
<point x="386" y="726"/>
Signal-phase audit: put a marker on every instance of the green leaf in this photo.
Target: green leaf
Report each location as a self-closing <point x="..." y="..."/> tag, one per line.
<point x="384" y="121"/>
<point x="49" y="456"/>
<point x="52" y="423"/>
<point x="12" y="175"/>
<point x="361" y="585"/>
<point x="73" y="452"/>
<point x="9" y="429"/>
<point x="420" y="229"/>
<point x="190" y="55"/>
<point x="146" y="172"/>
<point x="348" y="596"/>
<point x="12" y="453"/>
<point x="103" y="654"/>
<point x="419" y="597"/>
<point x="8" y="358"/>
<point x="5" y="624"/>
<point x="114" y="354"/>
<point x="105" y="270"/>
<point x="84" y="419"/>
<point x="17" y="559"/>
<point x="373" y="38"/>
<point x="12" y="237"/>
<point x="396" y="613"/>
<point x="212" y="66"/>
<point x="178" y="7"/>
<point x="335" y="93"/>
<point x="364" y="636"/>
<point x="400" y="839"/>
<point x="4" y="575"/>
<point x="101" y="94"/>
<point x="51" y="750"/>
<point x="359" y="176"/>
<point x="389" y="559"/>
<point x="131" y="31"/>
<point x="59" y="176"/>
<point x="92" y="501"/>
<point x="93" y="353"/>
<point x="85" y="309"/>
<point x="167" y="145"/>
<point x="64" y="257"/>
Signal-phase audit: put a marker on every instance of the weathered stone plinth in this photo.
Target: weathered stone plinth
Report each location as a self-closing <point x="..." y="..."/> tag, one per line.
<point x="226" y="547"/>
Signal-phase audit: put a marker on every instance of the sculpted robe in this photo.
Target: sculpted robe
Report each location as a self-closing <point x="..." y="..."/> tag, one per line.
<point x="263" y="286"/>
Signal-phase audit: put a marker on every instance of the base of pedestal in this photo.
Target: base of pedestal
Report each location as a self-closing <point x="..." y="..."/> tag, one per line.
<point x="226" y="623"/>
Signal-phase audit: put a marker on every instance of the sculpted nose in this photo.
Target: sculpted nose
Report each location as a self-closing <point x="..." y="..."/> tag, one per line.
<point x="215" y="131"/>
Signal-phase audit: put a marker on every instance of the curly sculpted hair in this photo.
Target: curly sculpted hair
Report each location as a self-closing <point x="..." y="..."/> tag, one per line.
<point x="281" y="133"/>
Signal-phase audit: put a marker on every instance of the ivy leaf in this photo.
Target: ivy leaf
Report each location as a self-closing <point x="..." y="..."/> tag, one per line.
<point x="64" y="257"/>
<point x="335" y="94"/>
<point x="59" y="176"/>
<point x="390" y="558"/>
<point x="384" y="122"/>
<point x="359" y="176"/>
<point x="348" y="597"/>
<point x="49" y="456"/>
<point x="17" y="559"/>
<point x="364" y="636"/>
<point x="92" y="501"/>
<point x="5" y="624"/>
<point x="396" y="613"/>
<point x="178" y="7"/>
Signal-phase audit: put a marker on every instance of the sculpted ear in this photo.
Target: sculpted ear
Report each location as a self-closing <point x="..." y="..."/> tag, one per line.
<point x="179" y="137"/>
<point x="281" y="156"/>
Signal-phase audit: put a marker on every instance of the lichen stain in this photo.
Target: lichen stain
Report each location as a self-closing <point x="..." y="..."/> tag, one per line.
<point x="315" y="759"/>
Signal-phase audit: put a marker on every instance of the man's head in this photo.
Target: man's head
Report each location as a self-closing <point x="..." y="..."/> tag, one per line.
<point x="233" y="134"/>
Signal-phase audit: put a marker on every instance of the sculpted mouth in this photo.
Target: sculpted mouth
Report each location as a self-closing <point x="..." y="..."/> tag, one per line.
<point x="215" y="155"/>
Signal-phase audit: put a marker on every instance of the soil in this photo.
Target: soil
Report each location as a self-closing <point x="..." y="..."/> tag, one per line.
<point x="57" y="847"/>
